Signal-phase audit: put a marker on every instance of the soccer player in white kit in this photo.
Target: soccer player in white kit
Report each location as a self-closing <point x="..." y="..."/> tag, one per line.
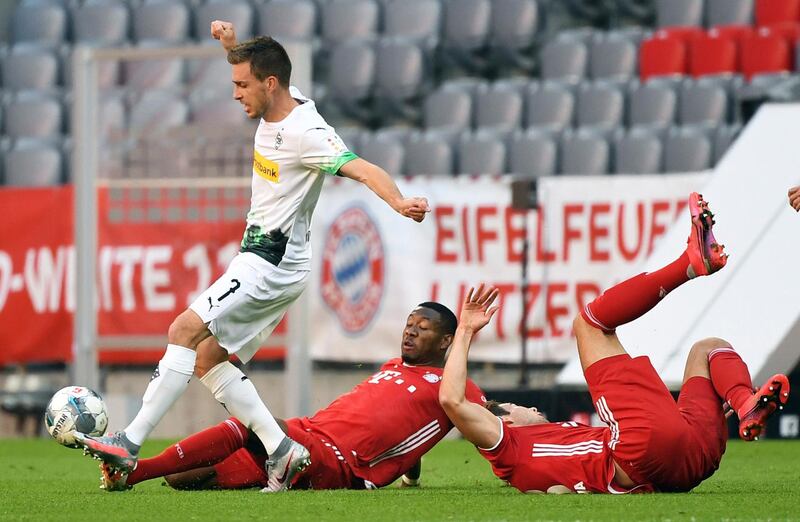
<point x="294" y="149"/>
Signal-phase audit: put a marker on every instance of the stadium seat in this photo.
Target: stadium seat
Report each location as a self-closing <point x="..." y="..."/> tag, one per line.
<point x="638" y="151"/>
<point x="237" y="11"/>
<point x="153" y="74"/>
<point x="287" y="19"/>
<point x="209" y="74"/>
<point x="684" y="33"/>
<point x="499" y="107"/>
<point x="465" y="32"/>
<point x="513" y="30"/>
<point x="448" y="109"/>
<point x="427" y="153"/>
<point x="737" y="33"/>
<point x="399" y="73"/>
<point x="711" y="54"/>
<point x="600" y="105"/>
<point x="352" y="77"/>
<point x="113" y="119"/>
<point x="31" y="114"/>
<point x="45" y="24"/>
<point x="103" y="23"/>
<point x="633" y="34"/>
<point x="687" y="149"/>
<point x="729" y="12"/>
<point x="679" y="12"/>
<point x="33" y="164"/>
<point x="416" y="20"/>
<point x="481" y="153"/>
<point x="612" y="59"/>
<point x="765" y="53"/>
<point x="207" y="109"/>
<point x="532" y="154"/>
<point x="157" y="110"/>
<point x="768" y="12"/>
<point x="584" y="152"/>
<point x="662" y="57"/>
<point x="348" y="20"/>
<point x="166" y="21"/>
<point x="550" y="107"/>
<point x="389" y="155"/>
<point x="703" y="104"/>
<point x="398" y="133"/>
<point x="584" y="35"/>
<point x="564" y="60"/>
<point x="29" y="66"/>
<point x="788" y="30"/>
<point x="724" y="138"/>
<point x="470" y="85"/>
<point x="351" y="136"/>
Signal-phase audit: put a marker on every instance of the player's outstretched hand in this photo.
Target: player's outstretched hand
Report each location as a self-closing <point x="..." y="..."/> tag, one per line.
<point x="478" y="310"/>
<point x="224" y="32"/>
<point x="794" y="198"/>
<point x="414" y="208"/>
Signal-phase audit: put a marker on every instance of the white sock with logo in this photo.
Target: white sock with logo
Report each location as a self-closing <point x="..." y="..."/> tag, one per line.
<point x="237" y="394"/>
<point x="169" y="381"/>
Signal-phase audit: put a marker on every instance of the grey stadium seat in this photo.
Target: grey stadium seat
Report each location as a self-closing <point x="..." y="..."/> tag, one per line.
<point x="729" y="12"/>
<point x="513" y="30"/>
<point x="209" y="73"/>
<point x="399" y="69"/>
<point x="389" y="155"/>
<point x="724" y="138"/>
<point x="427" y="153"/>
<point x="652" y="104"/>
<point x="417" y="20"/>
<point x="470" y="85"/>
<point x="580" y="34"/>
<point x="349" y="20"/>
<point x="612" y="59"/>
<point x="352" y="71"/>
<point x="687" y="149"/>
<point x="703" y="104"/>
<point x="237" y="11"/>
<point x="639" y="151"/>
<point x="448" y="110"/>
<point x="550" y="107"/>
<point x="532" y="154"/>
<point x="679" y="12"/>
<point x="481" y="153"/>
<point x="584" y="153"/>
<point x="288" y="19"/>
<point x="466" y="31"/>
<point x="166" y="21"/>
<point x="30" y="67"/>
<point x="32" y="164"/>
<point x="158" y="110"/>
<point x="33" y="115"/>
<point x="103" y="23"/>
<point x="43" y="23"/>
<point x="216" y="110"/>
<point x="564" y="60"/>
<point x="499" y="107"/>
<point x="153" y="74"/>
<point x="600" y="105"/>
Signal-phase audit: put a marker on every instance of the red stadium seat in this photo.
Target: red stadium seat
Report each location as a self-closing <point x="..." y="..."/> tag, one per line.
<point x="662" y="57"/>
<point x="737" y="33"/>
<point x="684" y="33"/>
<point x="769" y="12"/>
<point x="765" y="53"/>
<point x="712" y="55"/>
<point x="788" y="30"/>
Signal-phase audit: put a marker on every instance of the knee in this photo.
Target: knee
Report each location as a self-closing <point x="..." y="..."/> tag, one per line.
<point x="185" y="332"/>
<point x="707" y="345"/>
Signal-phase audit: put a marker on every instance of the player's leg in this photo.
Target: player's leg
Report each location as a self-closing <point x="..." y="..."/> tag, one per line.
<point x="193" y="479"/>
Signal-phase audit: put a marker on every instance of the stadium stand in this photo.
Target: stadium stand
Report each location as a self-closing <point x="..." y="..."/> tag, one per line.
<point x="638" y="151"/>
<point x="550" y="107"/>
<point x="288" y="19"/>
<point x="32" y="163"/>
<point x="679" y="13"/>
<point x="687" y="149"/>
<point x="481" y="152"/>
<point x="584" y="152"/>
<point x="729" y="12"/>
<point x="532" y="154"/>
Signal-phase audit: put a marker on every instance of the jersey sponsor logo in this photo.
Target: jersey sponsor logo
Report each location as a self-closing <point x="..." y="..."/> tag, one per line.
<point x="265" y="168"/>
<point x="353" y="269"/>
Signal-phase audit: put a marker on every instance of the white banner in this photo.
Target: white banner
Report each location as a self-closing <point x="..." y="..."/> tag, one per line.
<point x="372" y="267"/>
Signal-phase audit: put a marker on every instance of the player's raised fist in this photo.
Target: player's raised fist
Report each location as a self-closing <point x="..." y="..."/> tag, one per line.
<point x="414" y="208"/>
<point x="794" y="198"/>
<point x="224" y="32"/>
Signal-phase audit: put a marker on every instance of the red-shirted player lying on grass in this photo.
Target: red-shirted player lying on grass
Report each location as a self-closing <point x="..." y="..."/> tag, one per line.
<point x="367" y="438"/>
<point x="651" y="443"/>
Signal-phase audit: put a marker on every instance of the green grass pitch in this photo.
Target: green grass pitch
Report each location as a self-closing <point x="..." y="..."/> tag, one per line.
<point x="40" y="480"/>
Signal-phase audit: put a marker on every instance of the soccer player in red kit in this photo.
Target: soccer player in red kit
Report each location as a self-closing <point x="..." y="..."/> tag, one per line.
<point x="651" y="443"/>
<point x="367" y="438"/>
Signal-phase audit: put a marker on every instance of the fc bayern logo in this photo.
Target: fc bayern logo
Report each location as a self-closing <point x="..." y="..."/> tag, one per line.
<point x="353" y="269"/>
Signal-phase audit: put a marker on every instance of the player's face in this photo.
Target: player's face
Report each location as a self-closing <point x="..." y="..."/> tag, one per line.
<point x="254" y="94"/>
<point x="521" y="416"/>
<point x="422" y="341"/>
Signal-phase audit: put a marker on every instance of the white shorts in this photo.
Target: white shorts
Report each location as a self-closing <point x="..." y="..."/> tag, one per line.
<point x="247" y="302"/>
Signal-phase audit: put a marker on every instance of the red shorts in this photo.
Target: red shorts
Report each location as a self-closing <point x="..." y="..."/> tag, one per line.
<point x="328" y="470"/>
<point x="672" y="447"/>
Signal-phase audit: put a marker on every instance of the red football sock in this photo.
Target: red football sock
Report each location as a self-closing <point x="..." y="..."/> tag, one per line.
<point x="202" y="449"/>
<point x="730" y="376"/>
<point x="634" y="297"/>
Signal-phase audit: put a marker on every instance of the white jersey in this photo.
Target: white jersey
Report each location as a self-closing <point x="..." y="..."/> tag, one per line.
<point x="290" y="160"/>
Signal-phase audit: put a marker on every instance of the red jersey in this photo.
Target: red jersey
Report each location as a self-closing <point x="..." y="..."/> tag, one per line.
<point x="385" y="424"/>
<point x="554" y="457"/>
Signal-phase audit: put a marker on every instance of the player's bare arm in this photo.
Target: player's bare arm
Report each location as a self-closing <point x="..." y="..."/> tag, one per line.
<point x="794" y="198"/>
<point x="476" y="423"/>
<point x="225" y="33"/>
<point x="381" y="183"/>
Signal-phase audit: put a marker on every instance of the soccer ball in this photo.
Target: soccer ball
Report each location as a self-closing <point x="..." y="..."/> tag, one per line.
<point x="75" y="408"/>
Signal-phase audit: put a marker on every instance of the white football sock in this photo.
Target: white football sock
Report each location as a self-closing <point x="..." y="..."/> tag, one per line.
<point x="238" y="395"/>
<point x="169" y="381"/>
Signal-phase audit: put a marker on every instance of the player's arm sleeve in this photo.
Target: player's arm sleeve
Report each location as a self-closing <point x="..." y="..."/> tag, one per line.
<point x="503" y="454"/>
<point x="322" y="149"/>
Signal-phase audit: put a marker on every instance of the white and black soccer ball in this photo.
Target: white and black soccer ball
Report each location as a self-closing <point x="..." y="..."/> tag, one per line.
<point x="75" y="408"/>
